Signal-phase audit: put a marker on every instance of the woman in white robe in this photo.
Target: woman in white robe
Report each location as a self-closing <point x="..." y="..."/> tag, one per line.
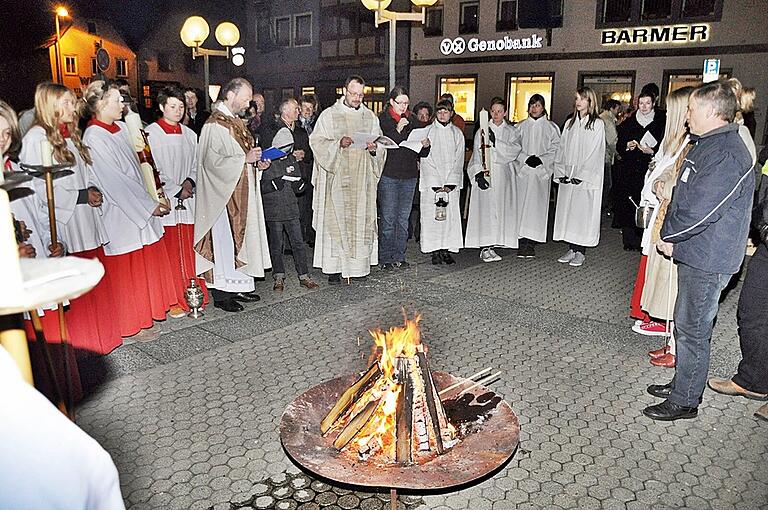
<point x="79" y="223"/>
<point x="534" y="166"/>
<point x="579" y="173"/>
<point x="174" y="150"/>
<point x="493" y="209"/>
<point x="441" y="170"/>
<point x="136" y="257"/>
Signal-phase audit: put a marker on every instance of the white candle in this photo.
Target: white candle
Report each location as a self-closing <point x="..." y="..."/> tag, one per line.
<point x="46" y="152"/>
<point x="10" y="272"/>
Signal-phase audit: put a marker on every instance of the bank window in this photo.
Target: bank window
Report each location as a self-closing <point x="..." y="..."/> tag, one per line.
<point x="656" y="10"/>
<point x="521" y="88"/>
<point x="433" y="25"/>
<point x="610" y="85"/>
<point x="464" y="92"/>
<point x="625" y="13"/>
<point x="302" y="29"/>
<point x="70" y="64"/>
<point x="506" y="15"/>
<point x="283" y="32"/>
<point x="469" y="18"/>
<point x="677" y="79"/>
<point x="121" y="65"/>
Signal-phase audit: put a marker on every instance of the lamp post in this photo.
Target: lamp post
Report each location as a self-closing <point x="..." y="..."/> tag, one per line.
<point x="379" y="7"/>
<point x="61" y="12"/>
<point x="193" y="34"/>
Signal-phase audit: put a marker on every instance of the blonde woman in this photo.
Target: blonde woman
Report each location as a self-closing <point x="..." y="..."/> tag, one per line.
<point x="78" y="211"/>
<point x="579" y="173"/>
<point x="655" y="275"/>
<point x="139" y="263"/>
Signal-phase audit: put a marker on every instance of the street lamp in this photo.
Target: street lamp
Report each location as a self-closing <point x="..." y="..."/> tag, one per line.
<point x="61" y="12"/>
<point x="193" y="34"/>
<point x="383" y="16"/>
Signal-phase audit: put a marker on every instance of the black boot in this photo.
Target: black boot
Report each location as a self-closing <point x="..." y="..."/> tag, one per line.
<point x="334" y="279"/>
<point x="437" y="258"/>
<point x="446" y="256"/>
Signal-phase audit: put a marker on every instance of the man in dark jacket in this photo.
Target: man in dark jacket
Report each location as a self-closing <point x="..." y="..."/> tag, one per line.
<point x="705" y="230"/>
<point x="280" y="184"/>
<point x="751" y="379"/>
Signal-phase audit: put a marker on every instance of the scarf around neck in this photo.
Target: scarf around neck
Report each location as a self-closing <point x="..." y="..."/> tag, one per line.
<point x="645" y="118"/>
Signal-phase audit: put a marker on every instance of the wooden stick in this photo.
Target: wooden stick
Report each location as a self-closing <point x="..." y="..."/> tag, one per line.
<point x="468" y="379"/>
<point x="393" y="499"/>
<point x="349" y="396"/>
<point x="40" y="337"/>
<point x="356" y="424"/>
<point x="479" y="382"/>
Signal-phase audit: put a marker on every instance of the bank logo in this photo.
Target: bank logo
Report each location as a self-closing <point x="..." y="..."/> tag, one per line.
<point x="457" y="46"/>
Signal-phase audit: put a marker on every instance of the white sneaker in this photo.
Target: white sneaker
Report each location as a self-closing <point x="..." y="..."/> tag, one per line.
<point x="485" y="255"/>
<point x="577" y="260"/>
<point x="496" y="256"/>
<point x="567" y="257"/>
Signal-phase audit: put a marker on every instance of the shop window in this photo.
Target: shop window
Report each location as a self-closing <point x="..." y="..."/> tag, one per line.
<point x="433" y="25"/>
<point x="506" y="15"/>
<point x="464" y="92"/>
<point x="283" y="32"/>
<point x="656" y="10"/>
<point x="302" y="31"/>
<point x="521" y="88"/>
<point x="610" y="85"/>
<point x="469" y="20"/>
<point x="70" y="64"/>
<point x="677" y="79"/>
<point x="121" y="65"/>
<point x="612" y="13"/>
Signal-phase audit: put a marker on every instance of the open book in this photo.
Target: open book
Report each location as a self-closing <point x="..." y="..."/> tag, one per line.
<point x="361" y="140"/>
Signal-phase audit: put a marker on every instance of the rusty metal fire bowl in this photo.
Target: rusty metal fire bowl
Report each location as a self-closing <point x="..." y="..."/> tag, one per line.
<point x="491" y="444"/>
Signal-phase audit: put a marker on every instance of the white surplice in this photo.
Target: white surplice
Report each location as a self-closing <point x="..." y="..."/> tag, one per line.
<point x="175" y="156"/>
<point x="493" y="212"/>
<point x="127" y="207"/>
<point x="443" y="166"/>
<point x="538" y="137"/>
<point x="581" y="155"/>
<point x="345" y="183"/>
<point x="79" y="226"/>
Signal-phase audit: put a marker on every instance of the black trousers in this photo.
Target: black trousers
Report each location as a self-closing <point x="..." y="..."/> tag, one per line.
<point x="753" y="325"/>
<point x="578" y="248"/>
<point x="293" y="229"/>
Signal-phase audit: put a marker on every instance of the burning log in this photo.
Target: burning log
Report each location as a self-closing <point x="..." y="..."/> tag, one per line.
<point x="432" y="400"/>
<point x="353" y="393"/>
<point x="403" y="452"/>
<point x="356" y="424"/>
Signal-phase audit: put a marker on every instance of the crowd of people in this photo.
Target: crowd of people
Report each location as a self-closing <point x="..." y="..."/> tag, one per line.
<point x="219" y="197"/>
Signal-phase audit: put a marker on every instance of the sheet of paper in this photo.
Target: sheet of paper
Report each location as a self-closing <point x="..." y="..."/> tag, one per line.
<point x="360" y="141"/>
<point x="415" y="137"/>
<point x="648" y="140"/>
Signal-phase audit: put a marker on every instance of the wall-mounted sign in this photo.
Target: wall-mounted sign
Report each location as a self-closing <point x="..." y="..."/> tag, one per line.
<point x="459" y="45"/>
<point x="655" y="35"/>
<point x="711" y="70"/>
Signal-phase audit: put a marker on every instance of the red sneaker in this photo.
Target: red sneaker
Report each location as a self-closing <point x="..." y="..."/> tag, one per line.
<point x="666" y="361"/>
<point x="658" y="353"/>
<point x="651" y="328"/>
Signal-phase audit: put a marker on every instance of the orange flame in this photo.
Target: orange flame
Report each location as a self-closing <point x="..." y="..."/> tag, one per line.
<point x="401" y="341"/>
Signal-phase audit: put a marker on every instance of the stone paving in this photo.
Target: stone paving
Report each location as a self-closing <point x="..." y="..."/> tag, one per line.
<point x="191" y="417"/>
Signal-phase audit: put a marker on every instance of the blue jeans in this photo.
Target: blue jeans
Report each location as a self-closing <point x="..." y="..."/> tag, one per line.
<point x="695" y="311"/>
<point x="395" y="202"/>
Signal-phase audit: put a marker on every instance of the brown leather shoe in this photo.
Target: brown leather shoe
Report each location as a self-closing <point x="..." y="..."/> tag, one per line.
<point x="666" y="361"/>
<point x="728" y="387"/>
<point x="308" y="284"/>
<point x="658" y="353"/>
<point x="279" y="285"/>
<point x="762" y="412"/>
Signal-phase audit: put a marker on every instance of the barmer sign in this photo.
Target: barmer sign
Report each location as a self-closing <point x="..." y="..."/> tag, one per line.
<point x="655" y="35"/>
<point x="459" y="45"/>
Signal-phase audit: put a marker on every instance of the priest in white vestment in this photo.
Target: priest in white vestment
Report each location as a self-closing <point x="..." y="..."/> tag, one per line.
<point x="492" y="218"/>
<point x="230" y="233"/>
<point x="534" y="166"/>
<point x="174" y="150"/>
<point x="345" y="179"/>
<point x="579" y="173"/>
<point x="440" y="179"/>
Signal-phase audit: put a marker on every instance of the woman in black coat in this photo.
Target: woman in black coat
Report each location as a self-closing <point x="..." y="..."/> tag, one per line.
<point x="640" y="137"/>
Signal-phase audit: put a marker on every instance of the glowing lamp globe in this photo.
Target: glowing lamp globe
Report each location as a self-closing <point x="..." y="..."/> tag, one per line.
<point x="62" y="12"/>
<point x="375" y="5"/>
<point x="423" y="3"/>
<point x="227" y="34"/>
<point x="194" y="31"/>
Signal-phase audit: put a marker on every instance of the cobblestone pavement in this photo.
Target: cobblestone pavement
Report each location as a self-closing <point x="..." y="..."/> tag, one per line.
<point x="190" y="412"/>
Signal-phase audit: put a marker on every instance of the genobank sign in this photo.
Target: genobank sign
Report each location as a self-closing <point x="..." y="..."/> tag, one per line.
<point x="655" y="35"/>
<point x="459" y="45"/>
